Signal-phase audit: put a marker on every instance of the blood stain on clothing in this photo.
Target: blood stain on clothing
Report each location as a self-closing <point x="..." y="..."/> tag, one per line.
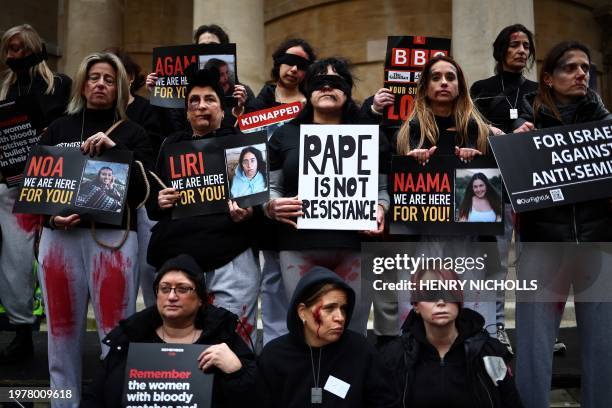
<point x="109" y="281"/>
<point x="28" y="222"/>
<point x="244" y="328"/>
<point x="59" y="297"/>
<point x="210" y="298"/>
<point x="349" y="272"/>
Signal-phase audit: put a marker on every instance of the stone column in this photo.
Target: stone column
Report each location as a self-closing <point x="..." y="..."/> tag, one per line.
<point x="244" y="23"/>
<point x="475" y="26"/>
<point x="89" y="26"/>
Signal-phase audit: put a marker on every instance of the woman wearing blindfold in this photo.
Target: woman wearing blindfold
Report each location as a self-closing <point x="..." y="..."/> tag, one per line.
<point x="328" y="91"/>
<point x="445" y="358"/>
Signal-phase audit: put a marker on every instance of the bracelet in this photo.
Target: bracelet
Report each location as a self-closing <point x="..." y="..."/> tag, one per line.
<point x="52" y="222"/>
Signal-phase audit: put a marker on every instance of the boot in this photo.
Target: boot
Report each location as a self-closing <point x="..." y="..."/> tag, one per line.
<point x="21" y="348"/>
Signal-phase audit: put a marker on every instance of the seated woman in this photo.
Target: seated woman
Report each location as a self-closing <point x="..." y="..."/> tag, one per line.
<point x="444" y="357"/>
<point x="181" y="316"/>
<point x="100" y="193"/>
<point x="250" y="176"/>
<point x="481" y="202"/>
<point x="319" y="361"/>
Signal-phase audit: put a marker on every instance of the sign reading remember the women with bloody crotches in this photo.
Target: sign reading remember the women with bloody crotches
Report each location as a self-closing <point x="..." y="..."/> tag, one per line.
<point x="338" y="177"/>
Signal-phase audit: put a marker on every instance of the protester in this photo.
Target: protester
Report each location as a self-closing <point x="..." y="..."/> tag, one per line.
<point x="78" y="261"/>
<point x="220" y="243"/>
<point x="23" y="51"/>
<point x="445" y="358"/>
<point x="481" y="202"/>
<point x="181" y="316"/>
<point x="100" y="193"/>
<point x="294" y="370"/>
<point x="563" y="98"/>
<point x="250" y="175"/>
<point x="329" y="84"/>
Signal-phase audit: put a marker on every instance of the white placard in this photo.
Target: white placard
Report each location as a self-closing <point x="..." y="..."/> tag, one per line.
<point x="338" y="177"/>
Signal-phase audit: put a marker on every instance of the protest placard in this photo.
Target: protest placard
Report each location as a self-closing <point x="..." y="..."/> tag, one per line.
<point x="406" y="56"/>
<point x="64" y="181"/>
<point x="446" y="196"/>
<point x="556" y="166"/>
<point x="170" y="64"/>
<point x="20" y="122"/>
<point x="209" y="172"/>
<point x="338" y="177"/>
<point x="166" y="375"/>
<point x="269" y="120"/>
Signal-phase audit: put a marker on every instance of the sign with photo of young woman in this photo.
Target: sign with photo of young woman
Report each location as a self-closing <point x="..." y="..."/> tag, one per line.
<point x="64" y="181"/>
<point x="446" y="196"/>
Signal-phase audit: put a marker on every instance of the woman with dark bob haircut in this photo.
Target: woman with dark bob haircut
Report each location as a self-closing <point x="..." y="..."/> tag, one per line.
<point x="481" y="201"/>
<point x="181" y="315"/>
<point x="250" y="176"/>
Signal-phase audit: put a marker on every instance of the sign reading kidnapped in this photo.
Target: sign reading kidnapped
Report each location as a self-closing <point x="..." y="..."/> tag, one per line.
<point x="556" y="166"/>
<point x="209" y="172"/>
<point x="166" y="375"/>
<point x="338" y="176"/>
<point x="63" y="181"/>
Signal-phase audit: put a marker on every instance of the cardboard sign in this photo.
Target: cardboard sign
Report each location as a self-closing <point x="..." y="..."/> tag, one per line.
<point x="170" y="63"/>
<point x="445" y="196"/>
<point x="269" y="119"/>
<point x="556" y="166"/>
<point x="166" y="375"/>
<point x="20" y="122"/>
<point x="64" y="181"/>
<point x="404" y="62"/>
<point x="209" y="172"/>
<point x="338" y="177"/>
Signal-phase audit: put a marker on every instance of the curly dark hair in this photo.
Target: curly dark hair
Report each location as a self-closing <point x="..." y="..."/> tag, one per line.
<point x="213" y="29"/>
<point x="491" y="195"/>
<point x="282" y="49"/>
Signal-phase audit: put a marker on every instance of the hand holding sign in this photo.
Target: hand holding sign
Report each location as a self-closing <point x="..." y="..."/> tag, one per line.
<point x="151" y="80"/>
<point x="167" y="198"/>
<point x="220" y="356"/>
<point x="422" y="155"/>
<point x="65" y="223"/>
<point x="380" y="222"/>
<point x="285" y="210"/>
<point x="383" y="98"/>
<point x="96" y="144"/>
<point x="466" y="154"/>
<point x="238" y="214"/>
<point x="525" y="127"/>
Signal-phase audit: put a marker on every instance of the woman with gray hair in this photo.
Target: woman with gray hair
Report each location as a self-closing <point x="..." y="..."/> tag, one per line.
<point x="77" y="259"/>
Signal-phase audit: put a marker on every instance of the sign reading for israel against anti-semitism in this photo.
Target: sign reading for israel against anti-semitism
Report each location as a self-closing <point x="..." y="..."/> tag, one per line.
<point x="269" y="119"/>
<point x="170" y="63"/>
<point x="404" y="62"/>
<point x="209" y="172"/>
<point x="338" y="177"/>
<point x="446" y="196"/>
<point x="556" y="166"/>
<point x="20" y="121"/>
<point x="166" y="375"/>
<point x="63" y="181"/>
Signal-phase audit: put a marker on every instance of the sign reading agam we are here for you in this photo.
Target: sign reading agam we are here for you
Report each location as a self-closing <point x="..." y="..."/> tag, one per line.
<point x="166" y="375"/>
<point x="406" y="56"/>
<point x="446" y="196"/>
<point x="64" y="181"/>
<point x="338" y="177"/>
<point x="556" y="166"/>
<point x="170" y="64"/>
<point x="209" y="172"/>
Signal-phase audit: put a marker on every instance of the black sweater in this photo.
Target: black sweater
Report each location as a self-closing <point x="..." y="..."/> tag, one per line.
<point x="213" y="239"/>
<point x="66" y="132"/>
<point x="141" y="112"/>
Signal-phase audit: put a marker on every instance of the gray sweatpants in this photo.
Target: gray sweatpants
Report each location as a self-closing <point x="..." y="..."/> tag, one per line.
<point x="274" y="300"/>
<point x="145" y="271"/>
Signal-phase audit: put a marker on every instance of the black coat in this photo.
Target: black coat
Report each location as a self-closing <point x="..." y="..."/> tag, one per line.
<point x="459" y="379"/>
<point x="218" y="326"/>
<point x="588" y="221"/>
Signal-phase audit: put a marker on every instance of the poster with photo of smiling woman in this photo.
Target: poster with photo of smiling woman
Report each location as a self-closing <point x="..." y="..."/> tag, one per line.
<point x="478" y="195"/>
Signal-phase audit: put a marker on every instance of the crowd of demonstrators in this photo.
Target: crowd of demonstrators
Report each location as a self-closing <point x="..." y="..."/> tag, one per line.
<point x="200" y="275"/>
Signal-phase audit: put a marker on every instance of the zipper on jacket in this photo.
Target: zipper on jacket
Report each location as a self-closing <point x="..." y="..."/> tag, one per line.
<point x="442" y="362"/>
<point x="486" y="389"/>
<point x="574" y="221"/>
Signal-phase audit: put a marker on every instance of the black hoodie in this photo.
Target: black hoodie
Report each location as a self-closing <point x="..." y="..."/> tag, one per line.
<point x="457" y="380"/>
<point x="285" y="367"/>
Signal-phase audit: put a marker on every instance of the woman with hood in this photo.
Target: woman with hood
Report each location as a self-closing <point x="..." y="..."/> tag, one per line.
<point x="320" y="362"/>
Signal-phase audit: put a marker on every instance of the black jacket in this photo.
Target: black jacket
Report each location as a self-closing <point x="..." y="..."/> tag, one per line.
<point x="141" y="112"/>
<point x="460" y="379"/>
<point x="218" y="326"/>
<point x="588" y="221"/>
<point x="285" y="367"/>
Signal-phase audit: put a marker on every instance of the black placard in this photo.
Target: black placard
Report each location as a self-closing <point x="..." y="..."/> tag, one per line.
<point x="556" y="166"/>
<point x="64" y="181"/>
<point x="428" y="199"/>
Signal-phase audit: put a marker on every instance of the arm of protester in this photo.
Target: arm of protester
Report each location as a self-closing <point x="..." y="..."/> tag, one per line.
<point x="151" y="79"/>
<point x="238" y="214"/>
<point x="284" y="209"/>
<point x="64" y="222"/>
<point x="384" y="202"/>
<point x="382" y="98"/>
<point x="466" y="154"/>
<point x="524" y="127"/>
<point x="495" y="131"/>
<point x="240" y="94"/>
<point x="220" y="356"/>
<point x="422" y="155"/>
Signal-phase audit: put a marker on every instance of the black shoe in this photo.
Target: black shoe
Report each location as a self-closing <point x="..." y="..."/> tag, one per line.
<point x="559" y="348"/>
<point x="21" y="348"/>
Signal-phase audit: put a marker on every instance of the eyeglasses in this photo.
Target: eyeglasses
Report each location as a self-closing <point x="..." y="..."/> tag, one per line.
<point x="107" y="79"/>
<point x="178" y="290"/>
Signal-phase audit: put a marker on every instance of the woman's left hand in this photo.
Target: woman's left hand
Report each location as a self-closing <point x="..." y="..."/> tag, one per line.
<point x="240" y="94"/>
<point x="96" y="144"/>
<point x="383" y="98"/>
<point x="380" y="221"/>
<point x="466" y="154"/>
<point x="220" y="356"/>
<point x="238" y="214"/>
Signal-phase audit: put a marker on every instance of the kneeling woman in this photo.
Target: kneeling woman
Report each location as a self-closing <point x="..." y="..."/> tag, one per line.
<point x="319" y="361"/>
<point x="445" y="358"/>
<point x="181" y="316"/>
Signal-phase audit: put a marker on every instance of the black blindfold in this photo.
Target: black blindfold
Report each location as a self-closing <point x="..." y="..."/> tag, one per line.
<point x="294" y="60"/>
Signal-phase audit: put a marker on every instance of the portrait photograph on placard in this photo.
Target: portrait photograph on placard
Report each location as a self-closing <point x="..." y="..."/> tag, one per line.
<point x="478" y="195"/>
<point x="246" y="170"/>
<point x="103" y="186"/>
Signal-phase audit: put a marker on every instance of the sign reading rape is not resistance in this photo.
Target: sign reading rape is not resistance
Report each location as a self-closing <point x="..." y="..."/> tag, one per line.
<point x="338" y="177"/>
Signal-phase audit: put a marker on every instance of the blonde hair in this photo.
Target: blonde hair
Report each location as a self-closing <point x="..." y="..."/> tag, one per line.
<point x="33" y="44"/>
<point x="464" y="111"/>
<point x="77" y="100"/>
